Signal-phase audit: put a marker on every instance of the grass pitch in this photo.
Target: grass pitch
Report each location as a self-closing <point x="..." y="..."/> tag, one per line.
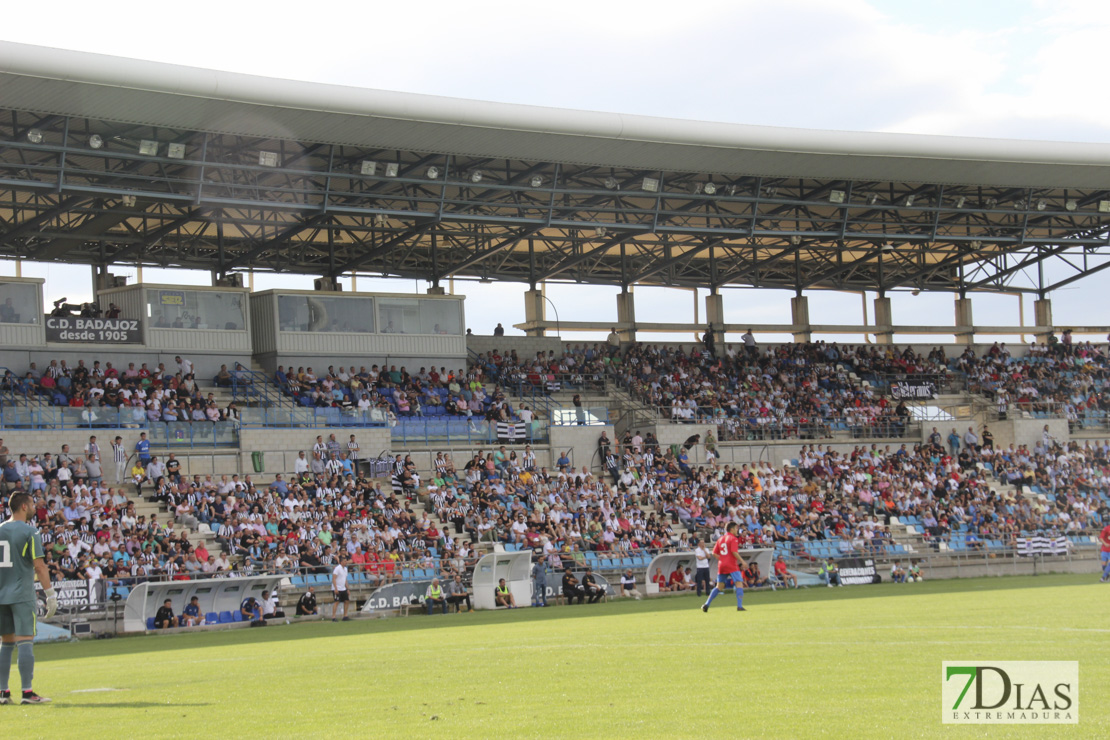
<point x="850" y="662"/>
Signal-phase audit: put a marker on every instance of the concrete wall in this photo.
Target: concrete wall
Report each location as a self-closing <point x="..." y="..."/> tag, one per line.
<point x="582" y="439"/>
<point x="280" y="446"/>
<point x="320" y="363"/>
<point x="204" y="365"/>
<point x="524" y="346"/>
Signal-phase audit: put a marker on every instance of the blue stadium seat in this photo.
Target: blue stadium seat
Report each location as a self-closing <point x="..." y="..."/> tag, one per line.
<point x="150" y="623"/>
<point x="237" y="616"/>
<point x="211" y="617"/>
<point x="225" y="617"/>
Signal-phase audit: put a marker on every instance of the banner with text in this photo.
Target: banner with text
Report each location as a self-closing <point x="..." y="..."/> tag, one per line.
<point x="910" y="390"/>
<point x="76" y="330"/>
<point x="857" y="571"/>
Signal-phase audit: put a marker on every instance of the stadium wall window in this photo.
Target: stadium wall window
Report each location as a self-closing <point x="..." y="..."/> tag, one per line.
<point x="194" y="309"/>
<point x="19" y="304"/>
<point x="326" y="314"/>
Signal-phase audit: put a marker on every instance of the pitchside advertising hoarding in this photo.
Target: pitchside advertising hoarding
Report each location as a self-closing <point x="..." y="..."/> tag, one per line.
<point x="857" y="571"/>
<point x="77" y="330"/>
<point x="1010" y="692"/>
<point x="71" y="595"/>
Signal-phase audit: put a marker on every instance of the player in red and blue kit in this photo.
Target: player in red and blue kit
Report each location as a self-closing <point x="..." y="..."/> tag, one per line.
<point x="729" y="566"/>
<point x="1104" y="538"/>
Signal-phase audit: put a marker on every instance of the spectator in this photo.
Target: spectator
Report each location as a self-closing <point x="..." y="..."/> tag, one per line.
<point x="660" y="580"/>
<point x="783" y="574"/>
<point x="250" y="610"/>
<point x="897" y="573"/>
<point x="701" y="563"/>
<point x="829" y="573"/>
<point x="539" y="583"/>
<point x="270" y="605"/>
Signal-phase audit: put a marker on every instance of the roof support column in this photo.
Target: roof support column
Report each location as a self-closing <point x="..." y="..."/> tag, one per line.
<point x="965" y="329"/>
<point x="715" y="315"/>
<point x="1042" y="316"/>
<point x="535" y="309"/>
<point x="799" y="317"/>
<point x="626" y="314"/>
<point x="883" y="321"/>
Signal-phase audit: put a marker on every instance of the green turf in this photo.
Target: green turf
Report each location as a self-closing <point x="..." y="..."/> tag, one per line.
<point x="850" y="662"/>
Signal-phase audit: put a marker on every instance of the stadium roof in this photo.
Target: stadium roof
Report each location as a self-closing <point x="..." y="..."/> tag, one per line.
<point x="221" y="171"/>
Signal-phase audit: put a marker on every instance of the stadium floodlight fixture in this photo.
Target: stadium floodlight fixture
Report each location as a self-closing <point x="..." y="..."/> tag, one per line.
<point x="909" y="200"/>
<point x="1071" y="204"/>
<point x="476" y="176"/>
<point x="433" y="172"/>
<point x="600" y="232"/>
<point x="392" y="169"/>
<point x="128" y="200"/>
<point x="873" y="199"/>
<point x="35" y="136"/>
<point x="267" y="159"/>
<point x="795" y="240"/>
<point x="96" y="141"/>
<point x="148" y="148"/>
<point x="709" y="189"/>
<point x="976" y="244"/>
<point x="1042" y="204"/>
<point x="837" y="196"/>
<point x="536" y="181"/>
<point x="176" y="150"/>
<point x="1104" y="206"/>
<point x="991" y="202"/>
<point x="1019" y="204"/>
<point x="611" y="183"/>
<point x="369" y="167"/>
<point x="650" y="185"/>
<point x="960" y="201"/>
<point x="380" y="219"/>
<point x="888" y="246"/>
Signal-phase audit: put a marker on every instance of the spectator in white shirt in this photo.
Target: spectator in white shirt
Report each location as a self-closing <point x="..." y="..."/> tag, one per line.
<point x="185" y="366"/>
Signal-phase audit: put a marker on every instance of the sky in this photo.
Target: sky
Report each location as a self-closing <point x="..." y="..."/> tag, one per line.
<point x="978" y="68"/>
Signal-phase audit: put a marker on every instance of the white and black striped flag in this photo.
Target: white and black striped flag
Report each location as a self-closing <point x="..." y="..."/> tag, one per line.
<point x="510" y="432"/>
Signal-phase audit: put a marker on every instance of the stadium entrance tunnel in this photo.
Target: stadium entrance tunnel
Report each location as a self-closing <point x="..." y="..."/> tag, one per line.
<point x="219" y="598"/>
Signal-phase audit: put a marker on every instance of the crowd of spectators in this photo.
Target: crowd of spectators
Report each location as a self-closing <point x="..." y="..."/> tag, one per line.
<point x="393" y="393"/>
<point x="143" y="394"/>
<point x="1058" y="379"/>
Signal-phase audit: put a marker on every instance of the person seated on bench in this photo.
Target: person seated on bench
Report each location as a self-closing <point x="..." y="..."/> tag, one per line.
<point x="660" y="580"/>
<point x="250" y="610"/>
<point x="306" y="606"/>
<point x="164" y="618"/>
<point x="434" y="597"/>
<point x="457" y="594"/>
<point x="571" y="589"/>
<point x="502" y="596"/>
<point x="783" y="574"/>
<point x="191" y="617"/>
<point x="590" y="587"/>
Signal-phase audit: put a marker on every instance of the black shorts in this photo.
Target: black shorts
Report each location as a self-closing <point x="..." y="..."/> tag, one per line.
<point x="342" y="596"/>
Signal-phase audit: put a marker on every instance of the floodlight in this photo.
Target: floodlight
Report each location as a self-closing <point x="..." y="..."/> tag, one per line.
<point x="1071" y="205"/>
<point x="650" y="185"/>
<point x="991" y="202"/>
<point x="476" y="176"/>
<point x="267" y="159"/>
<point x="837" y="196"/>
<point x="600" y="231"/>
<point x="380" y="219"/>
<point x="369" y="167"/>
<point x="34" y="136"/>
<point x="1104" y="206"/>
<point x="795" y="240"/>
<point x="872" y="199"/>
<point x="1042" y="204"/>
<point x="709" y="188"/>
<point x="960" y="201"/>
<point x="175" y="151"/>
<point x="392" y="169"/>
<point x="95" y="141"/>
<point x="536" y="181"/>
<point x="1019" y="204"/>
<point x="433" y="172"/>
<point x="128" y="201"/>
<point x="148" y="148"/>
<point x="909" y="200"/>
<point x="611" y="183"/>
<point x="888" y="247"/>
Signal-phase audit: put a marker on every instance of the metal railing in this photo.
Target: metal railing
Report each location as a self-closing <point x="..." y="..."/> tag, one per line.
<point x="310" y="417"/>
<point x="568" y="416"/>
<point x="252" y="387"/>
<point x="425" y="430"/>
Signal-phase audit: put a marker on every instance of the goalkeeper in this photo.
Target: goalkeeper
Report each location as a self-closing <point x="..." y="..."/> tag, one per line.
<point x="21" y="559"/>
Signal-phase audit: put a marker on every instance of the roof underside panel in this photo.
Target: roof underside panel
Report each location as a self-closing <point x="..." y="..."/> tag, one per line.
<point x="222" y="172"/>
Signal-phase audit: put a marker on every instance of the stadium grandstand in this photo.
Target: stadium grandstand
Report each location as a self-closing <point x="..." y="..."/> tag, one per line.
<point x="180" y="435"/>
